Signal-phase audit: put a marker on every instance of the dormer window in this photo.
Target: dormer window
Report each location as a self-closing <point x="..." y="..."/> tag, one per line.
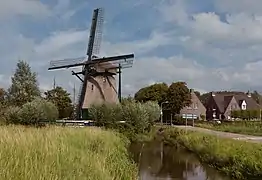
<point x="243" y="105"/>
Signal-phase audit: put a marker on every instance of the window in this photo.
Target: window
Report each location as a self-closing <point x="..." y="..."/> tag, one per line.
<point x="244" y="107"/>
<point x="196" y="106"/>
<point x="104" y="79"/>
<point x="189" y="107"/>
<point x="92" y="87"/>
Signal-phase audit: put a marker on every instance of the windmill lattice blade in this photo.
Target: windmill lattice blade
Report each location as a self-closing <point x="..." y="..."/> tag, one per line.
<point x="117" y="64"/>
<point x="95" y="32"/>
<point x="98" y="32"/>
<point x="66" y="63"/>
<point x="117" y="59"/>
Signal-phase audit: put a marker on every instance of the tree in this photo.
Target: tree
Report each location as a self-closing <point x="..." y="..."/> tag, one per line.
<point x="61" y="98"/>
<point x="204" y="98"/>
<point x="2" y="96"/>
<point x="197" y="94"/>
<point x="156" y="92"/>
<point x="257" y="97"/>
<point x="24" y="87"/>
<point x="178" y="96"/>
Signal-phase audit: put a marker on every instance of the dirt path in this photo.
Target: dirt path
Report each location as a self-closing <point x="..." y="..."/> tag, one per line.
<point x="249" y="138"/>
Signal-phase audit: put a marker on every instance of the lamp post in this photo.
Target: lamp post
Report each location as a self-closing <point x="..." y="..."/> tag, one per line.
<point x="161" y="107"/>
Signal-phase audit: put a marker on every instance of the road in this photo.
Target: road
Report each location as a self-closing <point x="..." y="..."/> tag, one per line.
<point x="249" y="138"/>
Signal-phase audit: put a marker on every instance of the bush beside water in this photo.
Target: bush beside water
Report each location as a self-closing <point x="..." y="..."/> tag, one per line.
<point x="238" y="159"/>
<point x="139" y="117"/>
<point x="64" y="153"/>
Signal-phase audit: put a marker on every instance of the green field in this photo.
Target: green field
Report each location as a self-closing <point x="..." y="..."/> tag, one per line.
<point x="241" y="127"/>
<point x="64" y="153"/>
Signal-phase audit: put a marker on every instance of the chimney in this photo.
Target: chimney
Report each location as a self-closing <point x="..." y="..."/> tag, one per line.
<point x="191" y="90"/>
<point x="213" y="94"/>
<point x="248" y="94"/>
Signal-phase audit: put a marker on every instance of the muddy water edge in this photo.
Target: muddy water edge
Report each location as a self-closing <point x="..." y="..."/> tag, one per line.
<point x="159" y="161"/>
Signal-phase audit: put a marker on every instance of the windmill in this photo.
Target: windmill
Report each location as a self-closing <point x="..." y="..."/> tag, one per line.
<point x="98" y="83"/>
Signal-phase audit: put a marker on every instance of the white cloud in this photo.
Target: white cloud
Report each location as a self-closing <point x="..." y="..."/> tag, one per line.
<point x="22" y="7"/>
<point x="155" y="40"/>
<point x="191" y="39"/>
<point x="60" y="40"/>
<point x="238" y="6"/>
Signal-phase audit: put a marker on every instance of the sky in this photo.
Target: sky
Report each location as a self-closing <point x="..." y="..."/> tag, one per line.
<point x="210" y="44"/>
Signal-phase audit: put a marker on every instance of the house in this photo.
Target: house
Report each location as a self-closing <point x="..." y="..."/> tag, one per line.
<point x="221" y="104"/>
<point x="195" y="110"/>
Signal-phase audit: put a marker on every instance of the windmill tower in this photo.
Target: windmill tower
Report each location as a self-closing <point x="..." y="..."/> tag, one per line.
<point x="98" y="83"/>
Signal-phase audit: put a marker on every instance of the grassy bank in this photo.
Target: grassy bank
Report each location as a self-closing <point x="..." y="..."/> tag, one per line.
<point x="64" y="153"/>
<point x="241" y="127"/>
<point x="238" y="159"/>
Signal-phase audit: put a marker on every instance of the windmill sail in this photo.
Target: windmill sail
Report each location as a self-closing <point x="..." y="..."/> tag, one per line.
<point x="95" y="36"/>
<point x="66" y="63"/>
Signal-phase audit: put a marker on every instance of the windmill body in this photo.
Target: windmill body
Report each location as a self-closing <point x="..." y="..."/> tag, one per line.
<point x="98" y="75"/>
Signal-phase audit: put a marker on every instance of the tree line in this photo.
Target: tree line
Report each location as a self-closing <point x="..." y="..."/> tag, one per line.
<point x="24" y="97"/>
<point x="177" y="95"/>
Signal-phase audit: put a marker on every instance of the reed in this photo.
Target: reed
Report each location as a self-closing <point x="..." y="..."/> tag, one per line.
<point x="64" y="153"/>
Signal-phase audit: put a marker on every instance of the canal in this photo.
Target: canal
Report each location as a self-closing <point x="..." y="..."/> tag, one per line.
<point x="157" y="161"/>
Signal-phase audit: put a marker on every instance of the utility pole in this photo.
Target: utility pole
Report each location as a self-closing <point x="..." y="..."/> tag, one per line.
<point x="54" y="83"/>
<point x="161" y="107"/>
<point x="74" y="94"/>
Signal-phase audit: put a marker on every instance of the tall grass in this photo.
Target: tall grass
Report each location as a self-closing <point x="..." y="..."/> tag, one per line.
<point x="238" y="159"/>
<point x="241" y="127"/>
<point x="64" y="153"/>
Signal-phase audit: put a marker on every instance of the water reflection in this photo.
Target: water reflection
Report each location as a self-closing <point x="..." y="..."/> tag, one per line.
<point x="157" y="161"/>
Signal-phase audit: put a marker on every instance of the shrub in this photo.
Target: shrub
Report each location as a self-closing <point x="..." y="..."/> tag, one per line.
<point x="138" y="117"/>
<point x="11" y="115"/>
<point x="153" y="110"/>
<point x="32" y="113"/>
<point x="203" y="117"/>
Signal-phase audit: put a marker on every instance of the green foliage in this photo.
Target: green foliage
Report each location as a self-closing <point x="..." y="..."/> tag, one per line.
<point x="241" y="127"/>
<point x="203" y="117"/>
<point x="257" y="97"/>
<point x="156" y="92"/>
<point x="197" y="93"/>
<point x="238" y="159"/>
<point x="61" y="98"/>
<point x="24" y="87"/>
<point x="246" y="114"/>
<point x="178" y="96"/>
<point x="128" y="99"/>
<point x="153" y="111"/>
<point x="11" y="115"/>
<point x="32" y="113"/>
<point x="2" y="96"/>
<point x="138" y="117"/>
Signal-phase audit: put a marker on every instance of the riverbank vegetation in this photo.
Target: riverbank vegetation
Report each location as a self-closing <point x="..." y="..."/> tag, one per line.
<point x="64" y="153"/>
<point x="238" y="159"/>
<point x="241" y="127"/>
<point x="131" y="118"/>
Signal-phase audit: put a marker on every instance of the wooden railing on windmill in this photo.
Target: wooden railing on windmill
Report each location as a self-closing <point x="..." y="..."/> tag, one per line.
<point x="98" y="83"/>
